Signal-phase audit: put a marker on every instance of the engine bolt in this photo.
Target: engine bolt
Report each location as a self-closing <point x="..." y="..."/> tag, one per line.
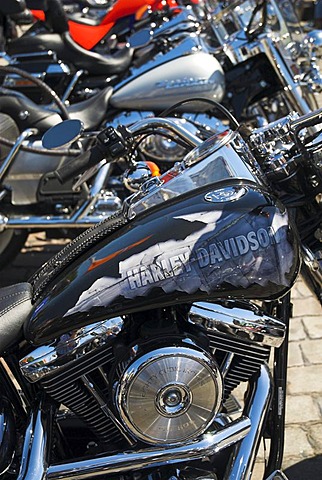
<point x="173" y="398"/>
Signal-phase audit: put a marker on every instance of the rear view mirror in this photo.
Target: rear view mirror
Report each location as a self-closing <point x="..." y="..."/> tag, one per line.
<point x="62" y="134"/>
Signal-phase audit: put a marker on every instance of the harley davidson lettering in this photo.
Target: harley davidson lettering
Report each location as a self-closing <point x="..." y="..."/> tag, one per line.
<point x="184" y="83"/>
<point x="236" y="246"/>
<point x="215" y="253"/>
<point x="173" y="266"/>
<point x="256" y="249"/>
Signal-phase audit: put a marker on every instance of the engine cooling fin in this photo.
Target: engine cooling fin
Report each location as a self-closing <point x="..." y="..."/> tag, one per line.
<point x="84" y="389"/>
<point x="245" y="359"/>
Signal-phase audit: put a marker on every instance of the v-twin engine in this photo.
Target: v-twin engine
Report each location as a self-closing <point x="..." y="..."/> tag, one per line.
<point x="168" y="388"/>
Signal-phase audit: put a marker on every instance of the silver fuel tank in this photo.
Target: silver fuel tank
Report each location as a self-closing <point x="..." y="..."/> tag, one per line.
<point x="186" y="71"/>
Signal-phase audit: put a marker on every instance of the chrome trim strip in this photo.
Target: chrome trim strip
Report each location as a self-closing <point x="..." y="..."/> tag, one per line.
<point x="256" y="408"/>
<point x="238" y="319"/>
<point x="208" y="444"/>
<point x="46" y="360"/>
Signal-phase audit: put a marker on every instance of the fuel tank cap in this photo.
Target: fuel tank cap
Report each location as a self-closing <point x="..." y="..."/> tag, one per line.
<point x="226" y="194"/>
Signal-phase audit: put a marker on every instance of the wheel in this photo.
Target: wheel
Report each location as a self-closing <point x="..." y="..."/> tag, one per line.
<point x="11" y="242"/>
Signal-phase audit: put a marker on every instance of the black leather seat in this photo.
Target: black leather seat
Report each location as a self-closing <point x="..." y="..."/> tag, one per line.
<point x="68" y="51"/>
<point x="42" y="42"/>
<point x="91" y="111"/>
<point x="93" y="62"/>
<point x="15" y="308"/>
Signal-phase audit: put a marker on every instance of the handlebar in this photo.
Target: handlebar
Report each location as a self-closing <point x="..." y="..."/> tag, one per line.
<point x="112" y="144"/>
<point x="308" y="120"/>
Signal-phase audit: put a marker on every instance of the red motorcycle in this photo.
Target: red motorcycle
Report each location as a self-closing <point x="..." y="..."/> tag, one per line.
<point x="119" y="18"/>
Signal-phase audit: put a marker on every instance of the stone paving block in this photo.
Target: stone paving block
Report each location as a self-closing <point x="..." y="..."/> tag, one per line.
<point x="306" y="307"/>
<point x="302" y="408"/>
<point x="312" y="351"/>
<point x="313" y="326"/>
<point x="301" y="290"/>
<point x="297" y="331"/>
<point x="297" y="443"/>
<point x="258" y="471"/>
<point x="315" y="437"/>
<point x="295" y="357"/>
<point x="318" y="399"/>
<point x="303" y="380"/>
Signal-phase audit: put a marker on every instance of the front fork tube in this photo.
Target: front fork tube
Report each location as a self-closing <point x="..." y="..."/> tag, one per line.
<point x="37" y="443"/>
<point x="277" y="419"/>
<point x="265" y="405"/>
<point x="292" y="89"/>
<point x="9" y="389"/>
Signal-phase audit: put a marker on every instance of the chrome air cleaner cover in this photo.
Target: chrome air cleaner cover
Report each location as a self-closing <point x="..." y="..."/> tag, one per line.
<point x="170" y="394"/>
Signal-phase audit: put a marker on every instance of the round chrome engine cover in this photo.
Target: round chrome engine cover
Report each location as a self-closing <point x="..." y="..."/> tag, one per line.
<point x="169" y="395"/>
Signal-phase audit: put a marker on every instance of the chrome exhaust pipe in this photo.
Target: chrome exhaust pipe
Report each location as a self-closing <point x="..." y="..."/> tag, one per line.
<point x="35" y="464"/>
<point x="209" y="444"/>
<point x="256" y="408"/>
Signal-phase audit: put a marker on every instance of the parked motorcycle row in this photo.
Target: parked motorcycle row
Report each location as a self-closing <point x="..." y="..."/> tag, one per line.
<point x="188" y="139"/>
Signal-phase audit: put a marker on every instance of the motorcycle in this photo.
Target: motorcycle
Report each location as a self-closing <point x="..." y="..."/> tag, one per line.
<point x="75" y="73"/>
<point x="122" y="355"/>
<point x="268" y="71"/>
<point x="268" y="66"/>
<point x="24" y="206"/>
<point x="96" y="31"/>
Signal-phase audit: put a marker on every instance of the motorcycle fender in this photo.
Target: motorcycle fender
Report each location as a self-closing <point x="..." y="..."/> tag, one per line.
<point x="205" y="246"/>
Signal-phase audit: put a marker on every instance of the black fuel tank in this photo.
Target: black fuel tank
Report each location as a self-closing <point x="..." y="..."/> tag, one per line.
<point x="222" y="240"/>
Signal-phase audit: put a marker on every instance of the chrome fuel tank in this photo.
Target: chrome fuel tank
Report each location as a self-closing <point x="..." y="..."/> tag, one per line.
<point x="228" y="238"/>
<point x="184" y="72"/>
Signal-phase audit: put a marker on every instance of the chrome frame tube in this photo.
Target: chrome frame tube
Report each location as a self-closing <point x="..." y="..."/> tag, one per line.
<point x="71" y="85"/>
<point x="37" y="444"/>
<point x="78" y="219"/>
<point x="313" y="265"/>
<point x="209" y="444"/>
<point x="277" y="475"/>
<point x="7" y="435"/>
<point x="13" y="152"/>
<point x="256" y="409"/>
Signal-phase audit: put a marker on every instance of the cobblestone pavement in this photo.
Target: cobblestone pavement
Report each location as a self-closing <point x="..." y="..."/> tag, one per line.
<point x="303" y="446"/>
